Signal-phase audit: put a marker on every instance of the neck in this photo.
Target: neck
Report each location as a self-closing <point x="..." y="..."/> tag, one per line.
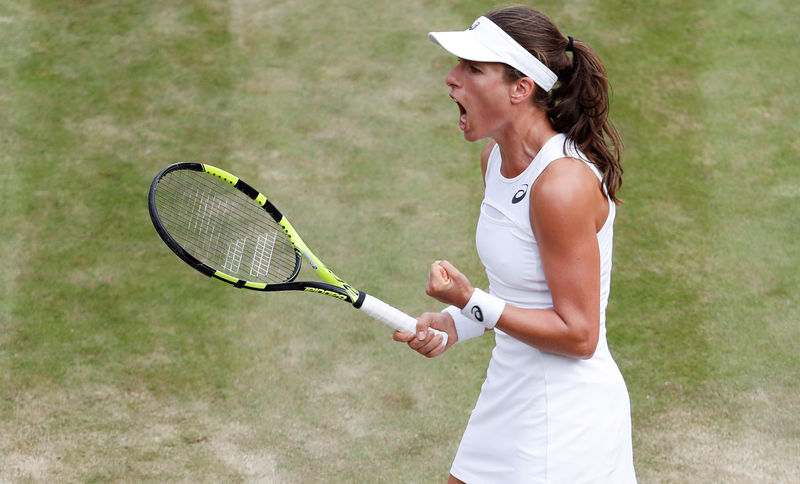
<point x="522" y="139"/>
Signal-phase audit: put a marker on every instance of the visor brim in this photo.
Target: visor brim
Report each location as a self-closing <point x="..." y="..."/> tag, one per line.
<point x="464" y="46"/>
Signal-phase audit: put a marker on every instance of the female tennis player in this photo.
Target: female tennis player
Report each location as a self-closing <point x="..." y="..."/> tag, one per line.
<point x="554" y="407"/>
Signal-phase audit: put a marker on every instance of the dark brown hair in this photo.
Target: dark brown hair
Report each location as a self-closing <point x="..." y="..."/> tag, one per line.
<point x="578" y="104"/>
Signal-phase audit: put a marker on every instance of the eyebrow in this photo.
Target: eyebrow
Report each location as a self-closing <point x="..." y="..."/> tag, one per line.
<point x="471" y="62"/>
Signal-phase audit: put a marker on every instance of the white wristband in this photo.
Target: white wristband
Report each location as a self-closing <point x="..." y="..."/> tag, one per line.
<point x="465" y="327"/>
<point x="484" y="308"/>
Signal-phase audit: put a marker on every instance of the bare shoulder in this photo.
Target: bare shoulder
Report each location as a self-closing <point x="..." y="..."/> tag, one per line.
<point x="568" y="190"/>
<point x="566" y="178"/>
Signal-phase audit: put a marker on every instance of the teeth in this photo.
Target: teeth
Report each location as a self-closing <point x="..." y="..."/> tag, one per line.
<point x="462" y="118"/>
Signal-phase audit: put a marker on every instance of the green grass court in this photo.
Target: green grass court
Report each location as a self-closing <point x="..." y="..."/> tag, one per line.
<point x="118" y="363"/>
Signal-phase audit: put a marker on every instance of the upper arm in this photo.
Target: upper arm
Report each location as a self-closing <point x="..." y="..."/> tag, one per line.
<point x="564" y="208"/>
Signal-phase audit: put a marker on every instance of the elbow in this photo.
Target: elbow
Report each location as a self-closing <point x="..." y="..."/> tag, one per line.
<point x="585" y="350"/>
<point x="585" y="346"/>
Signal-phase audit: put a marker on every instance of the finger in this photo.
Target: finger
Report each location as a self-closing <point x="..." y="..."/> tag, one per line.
<point x="423" y="324"/>
<point x="438" y="280"/>
<point x="449" y="269"/>
<point x="430" y="342"/>
<point x="417" y="344"/>
<point x="433" y="347"/>
<point x="435" y="275"/>
<point x="442" y="271"/>
<point x="403" y="336"/>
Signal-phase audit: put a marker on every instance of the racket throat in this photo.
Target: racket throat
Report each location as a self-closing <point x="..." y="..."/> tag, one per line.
<point x="309" y="258"/>
<point x="360" y="299"/>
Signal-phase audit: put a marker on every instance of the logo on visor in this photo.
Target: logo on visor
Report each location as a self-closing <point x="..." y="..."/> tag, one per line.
<point x="475" y="25"/>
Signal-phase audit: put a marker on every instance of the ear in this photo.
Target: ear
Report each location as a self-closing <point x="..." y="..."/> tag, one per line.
<point x="522" y="90"/>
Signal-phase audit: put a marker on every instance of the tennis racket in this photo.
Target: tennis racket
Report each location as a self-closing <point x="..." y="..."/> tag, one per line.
<point x="226" y="229"/>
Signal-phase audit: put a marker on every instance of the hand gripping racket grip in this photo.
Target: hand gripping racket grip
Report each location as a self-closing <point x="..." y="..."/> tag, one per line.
<point x="391" y="316"/>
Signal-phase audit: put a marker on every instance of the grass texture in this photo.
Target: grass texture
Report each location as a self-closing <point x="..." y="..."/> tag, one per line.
<point x="118" y="363"/>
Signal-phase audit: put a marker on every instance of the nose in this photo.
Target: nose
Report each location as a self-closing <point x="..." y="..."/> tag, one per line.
<point x="452" y="79"/>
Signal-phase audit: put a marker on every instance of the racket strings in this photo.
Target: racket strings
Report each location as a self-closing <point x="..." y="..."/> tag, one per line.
<point x="224" y="228"/>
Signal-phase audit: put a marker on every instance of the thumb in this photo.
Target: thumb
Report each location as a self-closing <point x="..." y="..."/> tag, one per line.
<point x="441" y="271"/>
<point x="449" y="269"/>
<point x="423" y="324"/>
<point x="438" y="279"/>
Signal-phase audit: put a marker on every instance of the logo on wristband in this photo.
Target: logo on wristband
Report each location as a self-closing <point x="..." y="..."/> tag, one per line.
<point x="477" y="313"/>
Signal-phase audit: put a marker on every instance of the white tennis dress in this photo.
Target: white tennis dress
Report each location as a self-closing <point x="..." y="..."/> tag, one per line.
<point x="540" y="417"/>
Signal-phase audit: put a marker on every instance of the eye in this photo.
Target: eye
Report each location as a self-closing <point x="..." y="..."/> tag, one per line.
<point x="473" y="68"/>
<point x="470" y="66"/>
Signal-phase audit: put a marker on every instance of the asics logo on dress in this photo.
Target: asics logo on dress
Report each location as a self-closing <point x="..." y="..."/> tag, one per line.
<point x="520" y="194"/>
<point x="477" y="313"/>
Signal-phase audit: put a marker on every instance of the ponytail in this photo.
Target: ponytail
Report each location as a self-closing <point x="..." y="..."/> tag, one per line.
<point x="578" y="104"/>
<point x="581" y="111"/>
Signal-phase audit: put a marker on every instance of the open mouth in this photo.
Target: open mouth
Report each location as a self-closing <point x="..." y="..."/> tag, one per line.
<point x="462" y="117"/>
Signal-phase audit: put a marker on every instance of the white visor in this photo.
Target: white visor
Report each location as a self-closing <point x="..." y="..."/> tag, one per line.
<point x="486" y="42"/>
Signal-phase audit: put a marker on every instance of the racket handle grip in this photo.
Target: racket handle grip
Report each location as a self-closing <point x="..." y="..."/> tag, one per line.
<point x="392" y="316"/>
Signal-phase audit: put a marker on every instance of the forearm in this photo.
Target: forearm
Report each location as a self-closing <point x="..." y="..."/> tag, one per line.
<point x="571" y="329"/>
<point x="547" y="330"/>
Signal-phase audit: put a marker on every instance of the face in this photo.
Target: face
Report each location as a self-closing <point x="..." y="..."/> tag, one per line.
<point x="483" y="98"/>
